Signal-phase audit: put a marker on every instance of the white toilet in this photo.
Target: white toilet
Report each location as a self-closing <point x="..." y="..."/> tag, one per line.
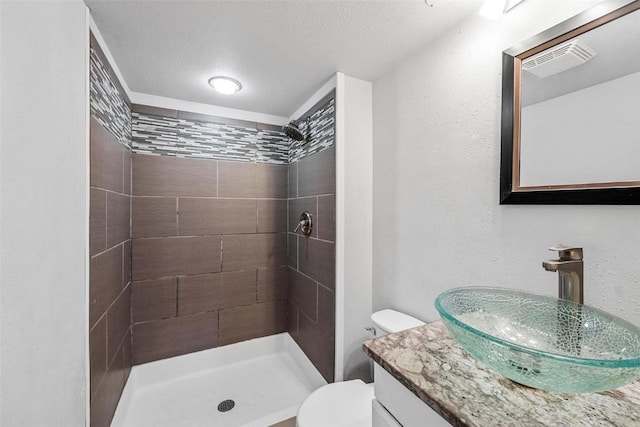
<point x="348" y="403"/>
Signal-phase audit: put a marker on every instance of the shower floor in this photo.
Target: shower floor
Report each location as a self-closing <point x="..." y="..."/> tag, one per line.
<point x="267" y="378"/>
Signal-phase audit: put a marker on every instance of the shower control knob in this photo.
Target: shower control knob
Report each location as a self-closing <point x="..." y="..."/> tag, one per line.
<point x="305" y="224"/>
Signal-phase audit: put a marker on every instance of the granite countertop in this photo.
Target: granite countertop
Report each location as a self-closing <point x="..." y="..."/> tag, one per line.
<point x="429" y="362"/>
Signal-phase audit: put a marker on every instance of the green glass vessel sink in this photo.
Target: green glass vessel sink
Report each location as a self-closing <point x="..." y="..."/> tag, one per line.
<point x="543" y="342"/>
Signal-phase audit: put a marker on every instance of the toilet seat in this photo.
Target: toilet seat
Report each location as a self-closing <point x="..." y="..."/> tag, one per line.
<point x="342" y="404"/>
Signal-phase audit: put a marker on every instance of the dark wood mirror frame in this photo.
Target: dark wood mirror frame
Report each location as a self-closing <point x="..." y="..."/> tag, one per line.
<point x="510" y="192"/>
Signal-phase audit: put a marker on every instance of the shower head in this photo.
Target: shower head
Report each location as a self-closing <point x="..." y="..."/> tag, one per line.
<point x="292" y="131"/>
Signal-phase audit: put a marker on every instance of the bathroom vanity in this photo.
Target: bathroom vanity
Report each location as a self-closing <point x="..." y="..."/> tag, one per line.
<point x="423" y="371"/>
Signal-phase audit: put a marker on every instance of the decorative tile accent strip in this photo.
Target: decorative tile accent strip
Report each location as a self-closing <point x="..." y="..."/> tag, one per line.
<point x="322" y="133"/>
<point x="108" y="106"/>
<point x="167" y="136"/>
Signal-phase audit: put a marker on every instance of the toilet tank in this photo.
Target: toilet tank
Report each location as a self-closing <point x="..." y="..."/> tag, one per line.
<point x="391" y="321"/>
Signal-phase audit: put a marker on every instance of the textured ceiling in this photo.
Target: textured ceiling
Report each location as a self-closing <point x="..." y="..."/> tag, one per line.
<point x="281" y="51"/>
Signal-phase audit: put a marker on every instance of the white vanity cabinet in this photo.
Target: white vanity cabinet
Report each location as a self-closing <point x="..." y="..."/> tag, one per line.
<point x="399" y="405"/>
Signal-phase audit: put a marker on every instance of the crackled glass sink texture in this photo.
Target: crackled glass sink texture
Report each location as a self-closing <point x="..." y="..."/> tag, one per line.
<point x="543" y="342"/>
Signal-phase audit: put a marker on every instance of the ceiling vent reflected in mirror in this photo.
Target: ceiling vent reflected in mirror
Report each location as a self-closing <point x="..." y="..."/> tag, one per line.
<point x="559" y="58"/>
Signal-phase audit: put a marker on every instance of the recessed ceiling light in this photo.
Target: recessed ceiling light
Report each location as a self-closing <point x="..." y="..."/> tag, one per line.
<point x="225" y="85"/>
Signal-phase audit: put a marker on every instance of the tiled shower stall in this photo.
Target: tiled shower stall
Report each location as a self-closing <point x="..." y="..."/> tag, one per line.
<point x="191" y="235"/>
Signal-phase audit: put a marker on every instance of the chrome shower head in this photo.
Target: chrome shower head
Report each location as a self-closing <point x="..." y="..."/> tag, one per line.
<point x="292" y="131"/>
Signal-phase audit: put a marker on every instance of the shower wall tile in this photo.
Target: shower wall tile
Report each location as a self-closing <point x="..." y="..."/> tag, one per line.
<point x="311" y="259"/>
<point x="98" y="356"/>
<point x="326" y="221"/>
<point x="292" y="251"/>
<point x="154" y="299"/>
<point x="107" y="159"/>
<point x="195" y="135"/>
<point x="316" y="174"/>
<point x="200" y="216"/>
<point x="211" y="292"/>
<point x="316" y="259"/>
<point x="322" y="130"/>
<point x="110" y="244"/>
<point x="126" y="270"/>
<point x="271" y="181"/>
<point x="118" y="218"/>
<point x="154" y="258"/>
<point x="238" y="179"/>
<point x="292" y="180"/>
<point x="160" y="339"/>
<point x="297" y="207"/>
<point x="243" y="252"/>
<point x="118" y="322"/>
<point x="303" y="293"/>
<point x="166" y="176"/>
<point x="154" y="216"/>
<point x="272" y="216"/>
<point x="273" y="284"/>
<point x="105" y="282"/>
<point x="318" y="345"/>
<point x="97" y="220"/>
<point x="248" y="322"/>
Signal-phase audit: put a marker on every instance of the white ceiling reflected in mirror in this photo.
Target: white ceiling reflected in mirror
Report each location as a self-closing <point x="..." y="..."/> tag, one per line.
<point x="571" y="111"/>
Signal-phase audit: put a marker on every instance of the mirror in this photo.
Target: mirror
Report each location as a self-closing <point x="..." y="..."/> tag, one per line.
<point x="571" y="111"/>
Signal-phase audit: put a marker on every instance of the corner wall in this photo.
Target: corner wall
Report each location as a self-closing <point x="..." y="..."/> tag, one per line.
<point x="44" y="218"/>
<point x="437" y="221"/>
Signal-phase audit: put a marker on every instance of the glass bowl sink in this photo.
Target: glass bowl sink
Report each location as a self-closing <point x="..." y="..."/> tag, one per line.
<point x="543" y="342"/>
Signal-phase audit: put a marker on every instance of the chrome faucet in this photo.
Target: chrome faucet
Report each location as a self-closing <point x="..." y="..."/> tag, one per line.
<point x="570" y="268"/>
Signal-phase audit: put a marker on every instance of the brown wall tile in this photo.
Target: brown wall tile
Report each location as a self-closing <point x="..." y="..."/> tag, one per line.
<point x="273" y="284"/>
<point x="318" y="345"/>
<point x="253" y="321"/>
<point x="326" y="220"/>
<point x="118" y="322"/>
<point x="160" y="339"/>
<point x="154" y="217"/>
<point x="173" y="256"/>
<point x="98" y="351"/>
<point x="215" y="119"/>
<point x="316" y="259"/>
<point x="127" y="171"/>
<point x="200" y="216"/>
<point x="316" y="174"/>
<point x="105" y="401"/>
<point x="292" y="250"/>
<point x="170" y="176"/>
<point x="118" y="218"/>
<point x="292" y="170"/>
<point x="297" y="207"/>
<point x="126" y="270"/>
<point x="303" y="293"/>
<point x="105" y="283"/>
<point x="126" y="353"/>
<point x="237" y="179"/>
<point x="154" y="299"/>
<point x="272" y="216"/>
<point x="154" y="111"/>
<point x="106" y="159"/>
<point x="245" y="252"/>
<point x="292" y="320"/>
<point x="98" y="220"/>
<point x="326" y="311"/>
<point x="272" y="181"/>
<point x="209" y="292"/>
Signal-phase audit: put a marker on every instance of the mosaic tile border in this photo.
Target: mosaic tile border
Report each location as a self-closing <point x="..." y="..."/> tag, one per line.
<point x="322" y="134"/>
<point x="180" y="137"/>
<point x="108" y="105"/>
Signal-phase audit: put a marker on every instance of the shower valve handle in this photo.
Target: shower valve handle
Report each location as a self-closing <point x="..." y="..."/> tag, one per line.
<point x="305" y="224"/>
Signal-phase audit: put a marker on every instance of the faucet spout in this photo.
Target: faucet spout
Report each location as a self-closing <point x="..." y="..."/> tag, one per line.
<point x="570" y="268"/>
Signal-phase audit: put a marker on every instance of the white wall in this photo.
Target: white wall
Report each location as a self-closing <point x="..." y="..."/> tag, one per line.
<point x="354" y="216"/>
<point x="588" y="136"/>
<point x="437" y="223"/>
<point x="44" y="218"/>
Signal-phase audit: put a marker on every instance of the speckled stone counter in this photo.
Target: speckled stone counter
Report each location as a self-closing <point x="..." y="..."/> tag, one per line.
<point x="429" y="362"/>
